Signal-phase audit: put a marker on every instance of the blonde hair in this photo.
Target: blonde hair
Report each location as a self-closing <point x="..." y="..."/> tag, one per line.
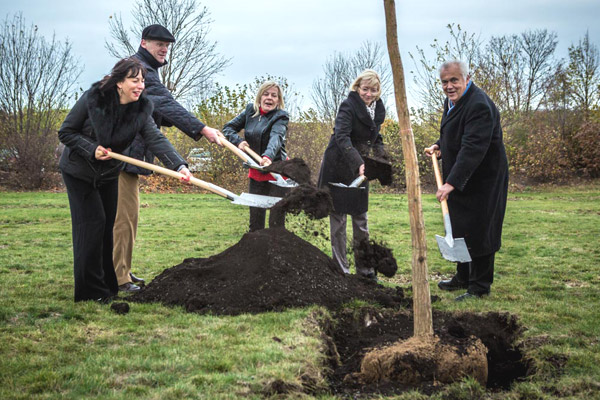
<point x="263" y="88"/>
<point x="371" y="78"/>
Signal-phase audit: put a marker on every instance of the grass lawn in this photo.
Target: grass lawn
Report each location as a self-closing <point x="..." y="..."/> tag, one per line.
<point x="548" y="273"/>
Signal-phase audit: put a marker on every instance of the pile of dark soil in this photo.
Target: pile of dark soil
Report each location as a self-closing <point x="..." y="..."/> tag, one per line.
<point x="357" y="334"/>
<point x="267" y="270"/>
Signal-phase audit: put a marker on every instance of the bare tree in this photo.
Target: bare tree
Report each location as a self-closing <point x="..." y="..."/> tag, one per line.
<point x="460" y="46"/>
<point x="501" y="72"/>
<point x="341" y="70"/>
<point x="37" y="77"/>
<point x="193" y="58"/>
<point x="582" y="73"/>
<point x="538" y="47"/>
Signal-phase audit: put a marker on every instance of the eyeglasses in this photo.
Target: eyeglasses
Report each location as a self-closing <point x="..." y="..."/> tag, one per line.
<point x="372" y="90"/>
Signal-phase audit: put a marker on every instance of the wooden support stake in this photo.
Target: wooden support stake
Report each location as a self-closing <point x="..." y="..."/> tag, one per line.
<point x="423" y="324"/>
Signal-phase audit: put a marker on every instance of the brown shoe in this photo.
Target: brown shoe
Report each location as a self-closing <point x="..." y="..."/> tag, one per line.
<point x="135" y="279"/>
<point x="128" y="287"/>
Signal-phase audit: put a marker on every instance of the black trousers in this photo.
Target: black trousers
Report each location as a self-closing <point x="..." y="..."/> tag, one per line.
<point x="479" y="273"/>
<point x="93" y="211"/>
<point x="258" y="215"/>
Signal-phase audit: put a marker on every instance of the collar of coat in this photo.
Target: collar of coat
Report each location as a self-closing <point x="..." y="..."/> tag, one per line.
<point x="103" y="111"/>
<point x="149" y="58"/>
<point x="460" y="103"/>
<point x="362" y="113"/>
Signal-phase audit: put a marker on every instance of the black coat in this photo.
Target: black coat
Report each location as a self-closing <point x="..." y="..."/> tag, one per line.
<point x="474" y="162"/>
<point x="264" y="133"/>
<point x="98" y="119"/>
<point x="167" y="112"/>
<point x="355" y="135"/>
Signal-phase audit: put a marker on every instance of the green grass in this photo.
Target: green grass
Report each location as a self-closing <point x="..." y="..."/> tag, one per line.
<point x="548" y="273"/>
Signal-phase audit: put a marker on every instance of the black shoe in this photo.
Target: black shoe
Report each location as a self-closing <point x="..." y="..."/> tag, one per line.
<point x="452" y="284"/>
<point x="135" y="279"/>
<point x="128" y="287"/>
<point x="467" y="296"/>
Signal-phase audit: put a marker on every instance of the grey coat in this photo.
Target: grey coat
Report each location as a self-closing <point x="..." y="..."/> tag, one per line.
<point x="264" y="133"/>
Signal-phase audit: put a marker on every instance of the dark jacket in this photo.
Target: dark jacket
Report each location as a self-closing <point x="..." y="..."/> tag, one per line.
<point x="167" y="112"/>
<point x="264" y="133"/>
<point x="98" y="119"/>
<point x="355" y="135"/>
<point x="474" y="162"/>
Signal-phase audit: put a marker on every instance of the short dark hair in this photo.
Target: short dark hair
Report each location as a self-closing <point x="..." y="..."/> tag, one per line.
<point x="125" y="68"/>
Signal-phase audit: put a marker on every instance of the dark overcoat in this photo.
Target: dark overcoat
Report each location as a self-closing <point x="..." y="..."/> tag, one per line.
<point x="167" y="112"/>
<point x="98" y="119"/>
<point x="264" y="133"/>
<point x="355" y="135"/>
<point x="474" y="162"/>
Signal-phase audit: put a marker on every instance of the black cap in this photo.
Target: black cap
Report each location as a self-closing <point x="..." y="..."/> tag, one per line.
<point x="157" y="32"/>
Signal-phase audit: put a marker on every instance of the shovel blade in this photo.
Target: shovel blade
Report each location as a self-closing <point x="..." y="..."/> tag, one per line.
<point x="456" y="253"/>
<point x="341" y="185"/>
<point x="256" y="200"/>
<point x="284" y="183"/>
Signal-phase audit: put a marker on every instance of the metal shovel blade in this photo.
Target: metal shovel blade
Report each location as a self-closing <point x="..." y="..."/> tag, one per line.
<point x="454" y="250"/>
<point x="279" y="181"/>
<point x="354" y="185"/>
<point x="255" y="200"/>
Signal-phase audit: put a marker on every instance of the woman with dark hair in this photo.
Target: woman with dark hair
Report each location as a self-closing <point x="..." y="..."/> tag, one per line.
<point x="265" y="124"/>
<point x="355" y="135"/>
<point x="106" y="117"/>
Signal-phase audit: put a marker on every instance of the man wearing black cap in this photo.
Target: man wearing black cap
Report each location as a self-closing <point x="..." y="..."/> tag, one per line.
<point x="153" y="50"/>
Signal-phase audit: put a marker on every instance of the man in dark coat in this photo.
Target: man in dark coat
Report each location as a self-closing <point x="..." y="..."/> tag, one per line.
<point x="153" y="50"/>
<point x="475" y="175"/>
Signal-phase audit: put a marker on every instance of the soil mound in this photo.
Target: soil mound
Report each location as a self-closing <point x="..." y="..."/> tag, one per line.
<point x="267" y="270"/>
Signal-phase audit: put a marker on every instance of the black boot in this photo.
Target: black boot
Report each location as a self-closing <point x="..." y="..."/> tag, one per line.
<point x="452" y="284"/>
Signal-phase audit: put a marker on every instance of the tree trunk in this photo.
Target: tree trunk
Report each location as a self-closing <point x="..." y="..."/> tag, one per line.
<point x="423" y="324"/>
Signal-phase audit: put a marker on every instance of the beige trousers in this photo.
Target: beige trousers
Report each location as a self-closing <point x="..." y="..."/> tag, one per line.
<point x="125" y="227"/>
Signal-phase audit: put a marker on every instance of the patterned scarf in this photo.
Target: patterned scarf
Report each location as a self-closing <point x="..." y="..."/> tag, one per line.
<point x="371" y="109"/>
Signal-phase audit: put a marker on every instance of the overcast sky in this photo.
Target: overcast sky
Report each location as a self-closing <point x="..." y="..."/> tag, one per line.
<point x="295" y="38"/>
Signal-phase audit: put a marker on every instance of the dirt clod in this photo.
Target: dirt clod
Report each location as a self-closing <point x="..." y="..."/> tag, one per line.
<point x="314" y="202"/>
<point x="120" y="307"/>
<point x="371" y="254"/>
<point x="296" y="169"/>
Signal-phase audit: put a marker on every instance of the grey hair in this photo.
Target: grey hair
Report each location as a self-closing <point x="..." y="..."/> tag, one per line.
<point x="464" y="70"/>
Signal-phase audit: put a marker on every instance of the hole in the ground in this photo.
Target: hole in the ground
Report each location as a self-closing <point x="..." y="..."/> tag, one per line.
<point x="357" y="332"/>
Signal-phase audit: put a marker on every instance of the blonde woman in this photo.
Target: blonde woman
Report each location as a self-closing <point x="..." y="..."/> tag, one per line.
<point x="355" y="135"/>
<point x="265" y="125"/>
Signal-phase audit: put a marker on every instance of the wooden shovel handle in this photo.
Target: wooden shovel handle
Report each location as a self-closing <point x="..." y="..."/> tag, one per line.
<point x="236" y="150"/>
<point x="438" y="180"/>
<point x="254" y="154"/>
<point x="165" y="171"/>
